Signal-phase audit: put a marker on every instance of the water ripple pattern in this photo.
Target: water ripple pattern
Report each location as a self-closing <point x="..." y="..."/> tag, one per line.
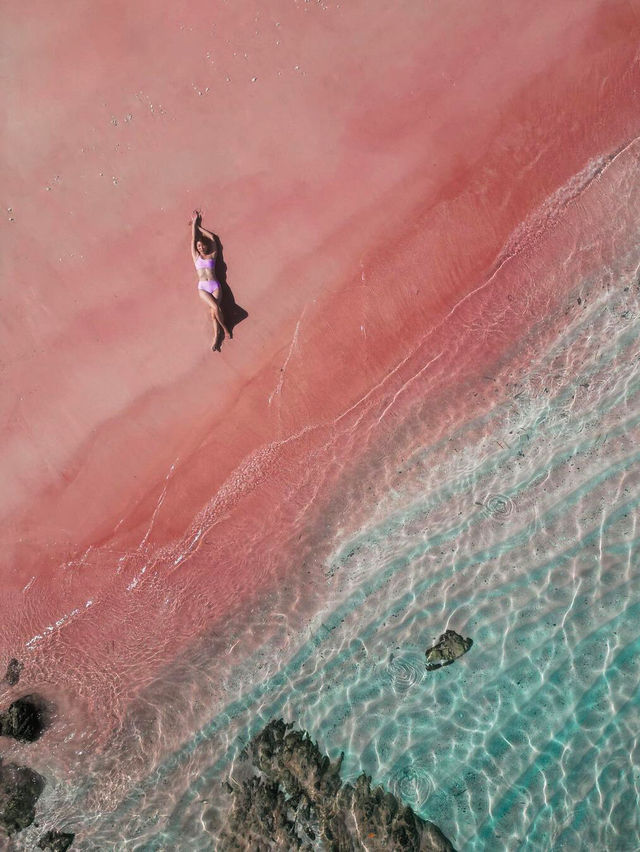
<point x="405" y="671"/>
<point x="498" y="505"/>
<point x="413" y="784"/>
<point x="517" y="528"/>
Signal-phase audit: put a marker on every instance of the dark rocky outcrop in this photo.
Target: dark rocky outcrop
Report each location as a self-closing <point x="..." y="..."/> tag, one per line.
<point x="258" y="819"/>
<point x="299" y="802"/>
<point x="20" y="789"/>
<point x="14" y="670"/>
<point x="447" y="649"/>
<point x="56" y="841"/>
<point x="24" y="720"/>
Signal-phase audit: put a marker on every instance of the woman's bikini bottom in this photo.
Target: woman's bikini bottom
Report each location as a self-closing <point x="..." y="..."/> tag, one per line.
<point x="209" y="286"/>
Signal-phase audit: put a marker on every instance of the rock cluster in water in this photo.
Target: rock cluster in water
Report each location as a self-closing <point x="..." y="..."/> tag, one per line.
<point x="20" y="788"/>
<point x="297" y="801"/>
<point x="13" y="672"/>
<point x="56" y="841"/>
<point x="24" y="719"/>
<point x="447" y="649"/>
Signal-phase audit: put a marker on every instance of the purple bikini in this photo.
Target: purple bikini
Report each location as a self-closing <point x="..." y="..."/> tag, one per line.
<point x="208" y="286"/>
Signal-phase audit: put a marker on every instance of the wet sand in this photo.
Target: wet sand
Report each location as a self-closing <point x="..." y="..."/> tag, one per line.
<point x="361" y="205"/>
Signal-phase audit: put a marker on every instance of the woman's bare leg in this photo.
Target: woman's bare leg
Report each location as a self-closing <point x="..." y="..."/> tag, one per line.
<point x="217" y="310"/>
<point x="216" y="317"/>
<point x="214" y="328"/>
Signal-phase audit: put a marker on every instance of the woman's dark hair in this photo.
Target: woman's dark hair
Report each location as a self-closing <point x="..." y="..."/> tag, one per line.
<point x="208" y="245"/>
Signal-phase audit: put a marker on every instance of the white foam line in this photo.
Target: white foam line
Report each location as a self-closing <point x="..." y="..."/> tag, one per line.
<point x="61" y="622"/>
<point x="190" y="547"/>
<point x="506" y="254"/>
<point x="276" y="391"/>
<point x="159" y="503"/>
<point x="376" y="387"/>
<point x="594" y="169"/>
<point x="74" y="563"/>
<point x="143" y="541"/>
<point x="408" y="382"/>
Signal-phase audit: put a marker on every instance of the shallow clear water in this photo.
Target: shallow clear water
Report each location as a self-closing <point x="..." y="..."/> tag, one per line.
<point x="516" y="526"/>
<point x="519" y="529"/>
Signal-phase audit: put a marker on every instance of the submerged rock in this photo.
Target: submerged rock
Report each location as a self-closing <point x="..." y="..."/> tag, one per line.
<point x="447" y="649"/>
<point x="292" y="758"/>
<point x="56" y="841"/>
<point x="24" y="720"/>
<point x="299" y="802"/>
<point x="386" y="822"/>
<point x="20" y="789"/>
<point x="14" y="670"/>
<point x="258" y="819"/>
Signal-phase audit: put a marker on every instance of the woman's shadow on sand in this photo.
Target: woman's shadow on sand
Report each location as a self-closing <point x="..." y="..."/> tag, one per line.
<point x="233" y="313"/>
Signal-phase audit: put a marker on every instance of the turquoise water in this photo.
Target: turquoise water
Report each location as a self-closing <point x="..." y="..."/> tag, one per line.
<point x="518" y="529"/>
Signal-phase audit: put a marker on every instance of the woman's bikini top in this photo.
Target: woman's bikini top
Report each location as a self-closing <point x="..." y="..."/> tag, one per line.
<point x="205" y="262"/>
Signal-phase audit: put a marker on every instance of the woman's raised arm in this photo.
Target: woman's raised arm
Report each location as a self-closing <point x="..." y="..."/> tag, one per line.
<point x="202" y="230"/>
<point x="207" y="233"/>
<point x="195" y="221"/>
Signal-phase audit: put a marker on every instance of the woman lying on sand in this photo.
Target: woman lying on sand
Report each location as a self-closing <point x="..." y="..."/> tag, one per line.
<point x="204" y="251"/>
